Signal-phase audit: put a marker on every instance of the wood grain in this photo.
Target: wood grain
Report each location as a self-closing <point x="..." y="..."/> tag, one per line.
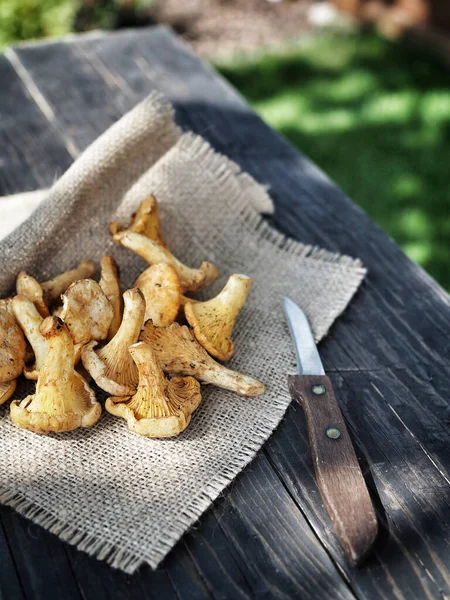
<point x="387" y="356"/>
<point x="32" y="153"/>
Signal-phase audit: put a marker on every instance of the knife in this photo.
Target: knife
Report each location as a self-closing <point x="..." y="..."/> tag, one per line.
<point x="338" y="473"/>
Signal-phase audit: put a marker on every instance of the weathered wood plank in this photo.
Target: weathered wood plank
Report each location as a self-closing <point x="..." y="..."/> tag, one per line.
<point x="99" y="87"/>
<point x="10" y="586"/>
<point x="223" y="582"/>
<point x="216" y="560"/>
<point x="256" y="542"/>
<point x="40" y="560"/>
<point x="394" y="335"/>
<point x="272" y="539"/>
<point x="184" y="574"/>
<point x="32" y="154"/>
<point x="397" y="322"/>
<point x="108" y="78"/>
<point x="412" y="550"/>
<point x="176" y="578"/>
<point x="382" y="346"/>
<point x="97" y="581"/>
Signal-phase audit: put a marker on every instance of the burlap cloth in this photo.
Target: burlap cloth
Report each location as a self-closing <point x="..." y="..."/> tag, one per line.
<point x="116" y="495"/>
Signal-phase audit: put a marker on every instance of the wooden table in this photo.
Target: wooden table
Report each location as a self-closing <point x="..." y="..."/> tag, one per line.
<point x="269" y="535"/>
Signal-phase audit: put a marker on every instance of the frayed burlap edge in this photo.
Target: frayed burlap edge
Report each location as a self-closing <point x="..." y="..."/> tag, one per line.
<point x="223" y="169"/>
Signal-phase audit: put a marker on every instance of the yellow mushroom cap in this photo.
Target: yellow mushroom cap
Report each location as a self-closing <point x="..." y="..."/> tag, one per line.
<point x="160" y="407"/>
<point x="7" y="389"/>
<point x="63" y="401"/>
<point x="212" y="322"/>
<point x="45" y="294"/>
<point x="179" y="353"/>
<point x="161" y="288"/>
<point x="12" y="347"/>
<point x="28" y="286"/>
<point x="144" y="237"/>
<point x="87" y="312"/>
<point x="58" y="285"/>
<point x="145" y="221"/>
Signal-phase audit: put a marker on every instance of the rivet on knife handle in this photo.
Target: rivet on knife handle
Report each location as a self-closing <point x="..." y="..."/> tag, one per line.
<point x="338" y="473"/>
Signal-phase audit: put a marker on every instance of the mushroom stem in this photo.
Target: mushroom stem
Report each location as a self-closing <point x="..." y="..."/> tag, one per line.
<point x="12" y="347"/>
<point x="30" y="320"/>
<point x="179" y="353"/>
<point x="58" y="285"/>
<point x="129" y="330"/>
<point x="110" y="284"/>
<point x="112" y="367"/>
<point x="225" y="378"/>
<point x="151" y="401"/>
<point x="58" y="367"/>
<point x="159" y="407"/>
<point x="154" y="252"/>
<point x="63" y="400"/>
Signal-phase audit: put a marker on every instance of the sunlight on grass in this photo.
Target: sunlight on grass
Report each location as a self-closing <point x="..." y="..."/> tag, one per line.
<point x="420" y="252"/>
<point x="397" y="107"/>
<point x="29" y="19"/>
<point x="349" y="87"/>
<point x="374" y="115"/>
<point x="407" y="185"/>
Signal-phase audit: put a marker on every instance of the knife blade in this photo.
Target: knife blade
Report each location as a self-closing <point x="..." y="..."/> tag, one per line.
<point x="339" y="477"/>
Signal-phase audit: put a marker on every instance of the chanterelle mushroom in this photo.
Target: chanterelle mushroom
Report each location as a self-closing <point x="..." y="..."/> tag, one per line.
<point x="110" y="284"/>
<point x="145" y="220"/>
<point x="63" y="400"/>
<point x="7" y="390"/>
<point x="58" y="285"/>
<point x="12" y="348"/>
<point x="161" y="288"/>
<point x="179" y="353"/>
<point x="6" y="304"/>
<point x="112" y="367"/>
<point x="28" y="286"/>
<point x="144" y="238"/>
<point x="212" y="322"/>
<point x="159" y="408"/>
<point x="45" y="294"/>
<point x="30" y="321"/>
<point x="87" y="312"/>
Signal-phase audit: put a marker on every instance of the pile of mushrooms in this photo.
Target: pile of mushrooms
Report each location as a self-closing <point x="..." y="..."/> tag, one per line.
<point x="134" y="345"/>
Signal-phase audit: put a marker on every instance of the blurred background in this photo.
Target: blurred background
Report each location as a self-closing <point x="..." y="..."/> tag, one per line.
<point x="360" y="86"/>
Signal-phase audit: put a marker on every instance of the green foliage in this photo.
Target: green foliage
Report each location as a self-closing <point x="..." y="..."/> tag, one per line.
<point x="25" y="19"/>
<point x="33" y="19"/>
<point x="374" y="115"/>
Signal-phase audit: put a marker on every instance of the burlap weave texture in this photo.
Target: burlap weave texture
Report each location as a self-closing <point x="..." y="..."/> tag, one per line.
<point x="114" y="494"/>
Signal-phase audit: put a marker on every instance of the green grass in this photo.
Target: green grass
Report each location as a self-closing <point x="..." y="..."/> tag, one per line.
<point x="35" y="19"/>
<point x="31" y="19"/>
<point x="375" y="116"/>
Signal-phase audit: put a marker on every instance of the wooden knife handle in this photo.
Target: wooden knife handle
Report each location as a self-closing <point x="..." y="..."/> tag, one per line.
<point x="338" y="473"/>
